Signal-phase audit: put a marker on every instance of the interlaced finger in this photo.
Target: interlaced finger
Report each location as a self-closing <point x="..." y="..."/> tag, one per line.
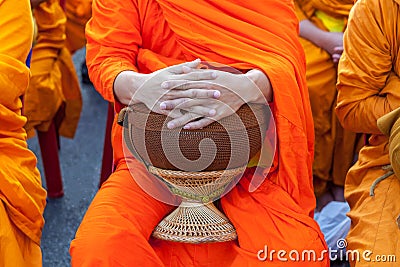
<point x="178" y="69"/>
<point x="185" y="85"/>
<point x="193" y="94"/>
<point x="175" y="113"/>
<point x="186" y="118"/>
<point x="198" y="124"/>
<point x="201" y="110"/>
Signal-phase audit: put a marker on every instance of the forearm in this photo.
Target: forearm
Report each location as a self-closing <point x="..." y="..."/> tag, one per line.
<point x="367" y="86"/>
<point x="104" y="75"/>
<point x="111" y="50"/>
<point x="311" y="32"/>
<point x="361" y="115"/>
<point x="126" y="87"/>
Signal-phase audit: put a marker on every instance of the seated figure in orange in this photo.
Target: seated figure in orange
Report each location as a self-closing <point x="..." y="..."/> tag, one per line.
<point x="368" y="89"/>
<point x="153" y="45"/>
<point x="22" y="197"/>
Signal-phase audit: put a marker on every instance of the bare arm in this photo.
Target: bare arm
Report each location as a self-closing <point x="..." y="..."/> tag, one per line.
<point x="329" y="41"/>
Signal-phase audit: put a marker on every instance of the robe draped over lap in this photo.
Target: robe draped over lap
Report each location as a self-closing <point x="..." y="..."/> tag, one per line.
<point x="146" y="36"/>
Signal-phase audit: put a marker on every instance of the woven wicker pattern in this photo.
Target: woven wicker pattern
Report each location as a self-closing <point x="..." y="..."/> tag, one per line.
<point x="200" y="186"/>
<point x="195" y="224"/>
<point x="214" y="156"/>
<point x="235" y="139"/>
<point x="196" y="220"/>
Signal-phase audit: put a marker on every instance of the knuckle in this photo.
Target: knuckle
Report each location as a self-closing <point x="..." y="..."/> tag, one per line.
<point x="168" y="94"/>
<point x="196" y="76"/>
<point x="193" y="115"/>
<point x="181" y="85"/>
<point x="183" y="101"/>
<point x="192" y="93"/>
<point x="170" y="105"/>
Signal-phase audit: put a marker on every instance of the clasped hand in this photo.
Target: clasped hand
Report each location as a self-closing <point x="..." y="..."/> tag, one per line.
<point x="193" y="97"/>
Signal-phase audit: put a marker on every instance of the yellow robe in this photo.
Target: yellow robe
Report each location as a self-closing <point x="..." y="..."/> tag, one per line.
<point x="54" y="81"/>
<point x="334" y="147"/>
<point x="368" y="88"/>
<point x="22" y="198"/>
<point x="78" y="13"/>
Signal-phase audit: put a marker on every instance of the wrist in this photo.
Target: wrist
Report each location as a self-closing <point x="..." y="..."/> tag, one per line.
<point x="263" y="88"/>
<point x="126" y="86"/>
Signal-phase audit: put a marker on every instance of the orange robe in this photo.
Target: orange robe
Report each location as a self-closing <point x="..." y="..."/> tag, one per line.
<point x="368" y="88"/>
<point x="54" y="83"/>
<point x="335" y="147"/>
<point x="153" y="34"/>
<point x="78" y="12"/>
<point x="22" y="198"/>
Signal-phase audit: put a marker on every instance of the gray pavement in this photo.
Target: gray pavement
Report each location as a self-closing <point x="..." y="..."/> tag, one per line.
<point x="80" y="160"/>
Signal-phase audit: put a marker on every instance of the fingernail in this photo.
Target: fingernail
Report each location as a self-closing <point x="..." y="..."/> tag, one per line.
<point x="186" y="127"/>
<point x="164" y="85"/>
<point x="214" y="75"/>
<point x="217" y="94"/>
<point x="163" y="106"/>
<point x="212" y="112"/>
<point x="170" y="125"/>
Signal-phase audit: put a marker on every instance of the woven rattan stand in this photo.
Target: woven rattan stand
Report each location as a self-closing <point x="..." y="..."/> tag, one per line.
<point x="196" y="219"/>
<point x="199" y="166"/>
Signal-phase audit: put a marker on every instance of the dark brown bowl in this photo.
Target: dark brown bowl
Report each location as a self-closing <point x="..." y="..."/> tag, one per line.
<point x="235" y="140"/>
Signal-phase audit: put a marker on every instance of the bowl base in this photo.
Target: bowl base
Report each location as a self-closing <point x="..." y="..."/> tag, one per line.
<point x="195" y="222"/>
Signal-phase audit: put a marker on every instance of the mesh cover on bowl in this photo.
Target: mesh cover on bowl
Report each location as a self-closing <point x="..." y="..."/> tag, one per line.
<point x="235" y="139"/>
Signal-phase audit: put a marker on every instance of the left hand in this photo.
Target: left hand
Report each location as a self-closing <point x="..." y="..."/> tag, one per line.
<point x="234" y="91"/>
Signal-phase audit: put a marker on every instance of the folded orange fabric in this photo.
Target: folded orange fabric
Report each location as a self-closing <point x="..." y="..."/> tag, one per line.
<point x="78" y="13"/>
<point x="335" y="147"/>
<point x="368" y="84"/>
<point x="54" y="81"/>
<point x="22" y="198"/>
<point x="146" y="36"/>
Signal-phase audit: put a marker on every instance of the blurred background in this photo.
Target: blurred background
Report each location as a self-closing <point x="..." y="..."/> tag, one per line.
<point x="80" y="161"/>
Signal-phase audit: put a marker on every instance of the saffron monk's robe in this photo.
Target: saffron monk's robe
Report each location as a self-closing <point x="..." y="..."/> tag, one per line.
<point x="368" y="88"/>
<point x="146" y="36"/>
<point x="335" y="148"/>
<point x="54" y="84"/>
<point x="22" y="198"/>
<point x="78" y="12"/>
